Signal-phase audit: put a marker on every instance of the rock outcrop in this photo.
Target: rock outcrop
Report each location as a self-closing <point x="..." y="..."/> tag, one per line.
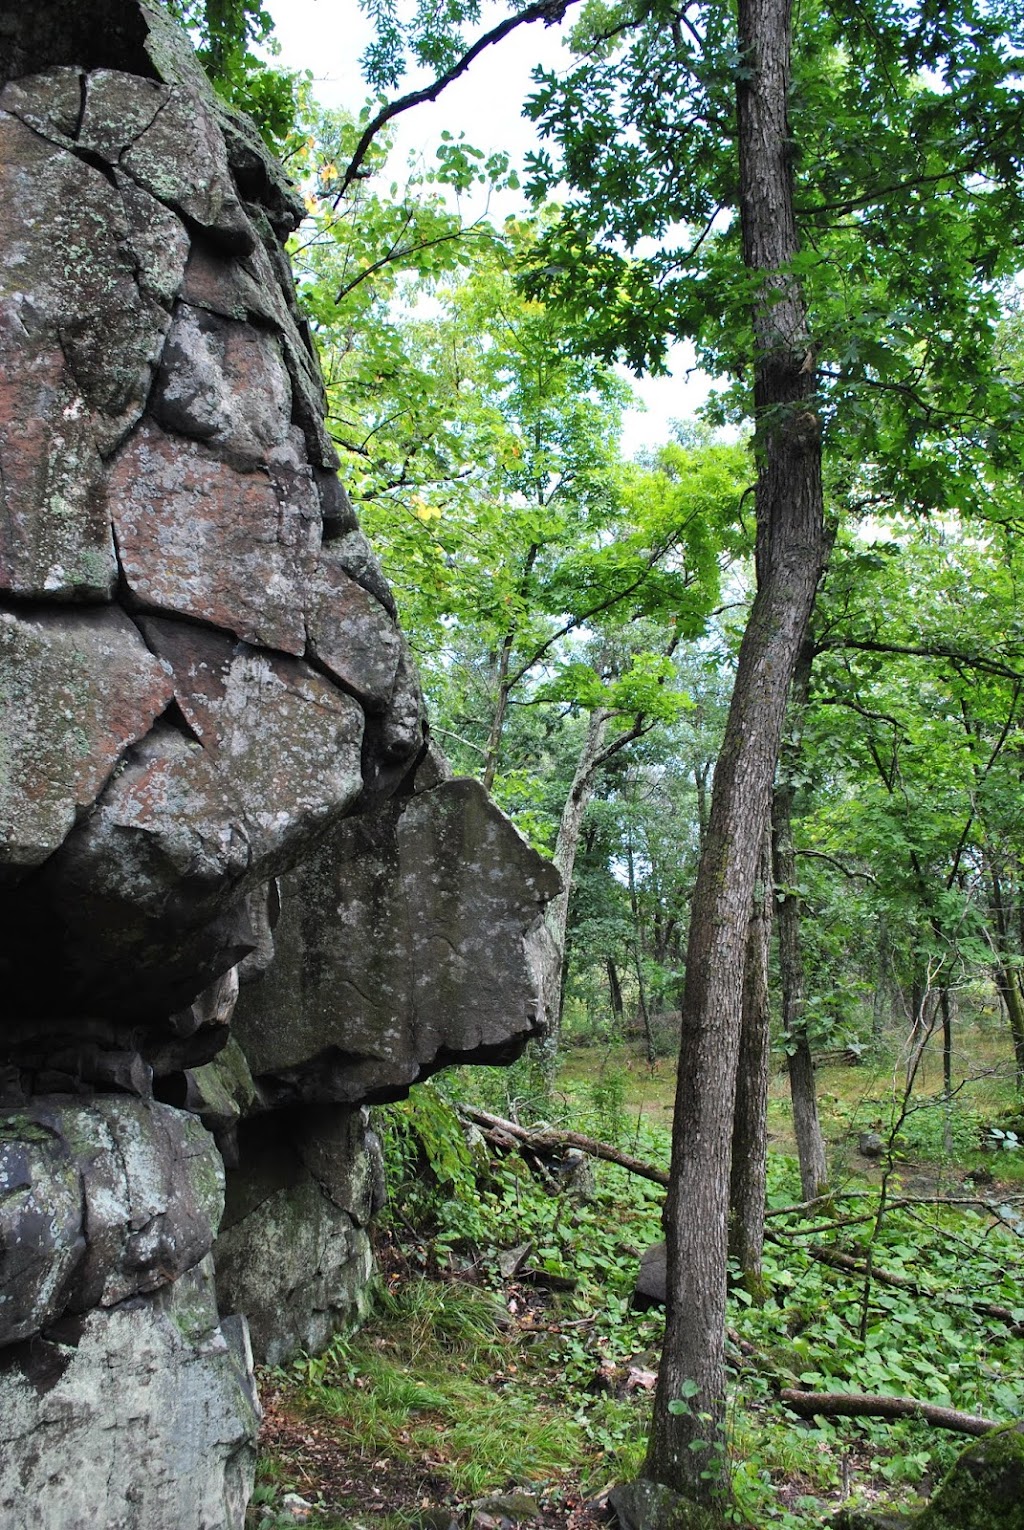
<point x="240" y="895"/>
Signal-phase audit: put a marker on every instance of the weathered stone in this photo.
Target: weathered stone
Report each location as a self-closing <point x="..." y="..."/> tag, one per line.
<point x="49" y="103"/>
<point x="77" y="344"/>
<point x="652" y="1281"/>
<point x="355" y="639"/>
<point x="649" y="1505"/>
<point x="70" y="275"/>
<point x="353" y="553"/>
<point x="116" y="110"/>
<point x="140" y="1417"/>
<point x="158" y="241"/>
<point x="288" y="1255"/>
<point x="235" y="700"/>
<point x="55" y="538"/>
<point x="264" y="909"/>
<point x="258" y="175"/>
<point x="221" y="1091"/>
<point x="336" y="509"/>
<point x="223" y="382"/>
<point x="332" y="1145"/>
<point x="404" y="944"/>
<point x="168" y="140"/>
<point x="63" y="32"/>
<point x="99" y="1200"/>
<point x="269" y="264"/>
<point x="75" y="692"/>
<point x="228" y="288"/>
<point x="192" y="824"/>
<point x="41" y="1234"/>
<point x="402" y="732"/>
<point x="510" y="1508"/>
<point x="213" y="1007"/>
<point x="984" y="1489"/>
<point x="233" y="548"/>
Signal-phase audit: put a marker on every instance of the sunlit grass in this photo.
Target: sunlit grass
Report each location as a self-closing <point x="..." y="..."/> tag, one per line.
<point x="433" y="1380"/>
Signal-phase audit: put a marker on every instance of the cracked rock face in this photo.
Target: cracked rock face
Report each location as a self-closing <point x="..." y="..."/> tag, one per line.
<point x="405" y="943"/>
<point x="240" y="896"/>
<point x="190" y="641"/>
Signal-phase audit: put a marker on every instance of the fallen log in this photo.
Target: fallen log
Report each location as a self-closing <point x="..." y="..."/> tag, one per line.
<point x="863" y="1405"/>
<point x="549" y="1139"/>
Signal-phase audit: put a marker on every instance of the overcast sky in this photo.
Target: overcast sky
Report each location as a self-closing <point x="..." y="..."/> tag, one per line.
<point x="328" y="37"/>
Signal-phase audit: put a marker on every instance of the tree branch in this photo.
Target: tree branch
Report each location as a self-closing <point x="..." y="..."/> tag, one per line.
<point x="549" y="11"/>
<point x="978" y="661"/>
<point x="549" y="1139"/>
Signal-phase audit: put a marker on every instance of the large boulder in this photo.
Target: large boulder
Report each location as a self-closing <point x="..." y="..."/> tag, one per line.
<point x="140" y="1415"/>
<point x="405" y="943"/>
<point x="212" y="744"/>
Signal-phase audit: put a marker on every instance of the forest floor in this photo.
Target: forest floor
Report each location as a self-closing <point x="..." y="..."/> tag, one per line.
<point x="485" y="1393"/>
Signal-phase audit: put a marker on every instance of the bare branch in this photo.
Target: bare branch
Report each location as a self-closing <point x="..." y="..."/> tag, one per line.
<point x="549" y="11"/>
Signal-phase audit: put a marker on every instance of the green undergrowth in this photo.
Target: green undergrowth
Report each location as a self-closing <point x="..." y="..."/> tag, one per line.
<point x="504" y="1351"/>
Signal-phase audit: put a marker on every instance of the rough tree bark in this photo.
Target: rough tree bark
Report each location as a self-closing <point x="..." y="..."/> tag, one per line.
<point x="750" y="1121"/>
<point x="810" y="1145"/>
<point x="790" y="553"/>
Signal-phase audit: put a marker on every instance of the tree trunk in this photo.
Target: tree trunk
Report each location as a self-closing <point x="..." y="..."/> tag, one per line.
<point x="810" y="1146"/>
<point x="503" y="682"/>
<point x="790" y="555"/>
<point x="638" y="963"/>
<point x="750" y="1122"/>
<point x="614" y="988"/>
<point x="882" y="997"/>
<point x="566" y="845"/>
<point x="1006" y="978"/>
<point x="947" y="1071"/>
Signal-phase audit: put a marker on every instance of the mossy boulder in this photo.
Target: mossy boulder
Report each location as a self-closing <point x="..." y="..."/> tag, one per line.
<point x="648" y="1505"/>
<point x="984" y="1490"/>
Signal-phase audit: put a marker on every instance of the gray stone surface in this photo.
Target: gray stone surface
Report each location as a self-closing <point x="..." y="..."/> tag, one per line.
<point x="651" y="1282"/>
<point x="227" y="544"/>
<point x="99" y="1201"/>
<point x="293" y="1252"/>
<point x="75" y="691"/>
<point x="142" y="1416"/>
<point x="404" y="944"/>
<point x="192" y="821"/>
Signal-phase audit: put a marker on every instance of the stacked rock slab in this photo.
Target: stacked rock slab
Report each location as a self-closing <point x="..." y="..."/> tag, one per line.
<point x="212" y="745"/>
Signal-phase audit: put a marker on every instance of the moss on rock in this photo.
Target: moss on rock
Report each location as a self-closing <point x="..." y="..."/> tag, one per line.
<point x="984" y="1490"/>
<point x="648" y="1505"/>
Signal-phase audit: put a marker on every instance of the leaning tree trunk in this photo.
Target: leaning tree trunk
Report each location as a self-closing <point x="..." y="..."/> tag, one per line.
<point x="791" y="546"/>
<point x="750" y="1121"/>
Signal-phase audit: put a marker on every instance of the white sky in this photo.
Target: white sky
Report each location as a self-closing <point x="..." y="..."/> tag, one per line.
<point x="485" y="104"/>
